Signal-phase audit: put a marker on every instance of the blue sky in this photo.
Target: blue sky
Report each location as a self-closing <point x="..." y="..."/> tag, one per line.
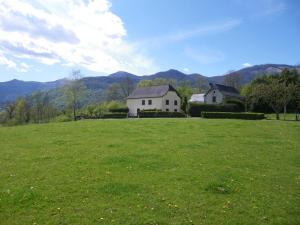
<point x="44" y="40"/>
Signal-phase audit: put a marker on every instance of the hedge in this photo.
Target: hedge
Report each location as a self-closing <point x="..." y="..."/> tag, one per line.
<point x="159" y="114"/>
<point x="195" y="109"/>
<point x="113" y="116"/>
<point x="105" y="116"/>
<point x="119" y="110"/>
<point x="151" y="110"/>
<point x="230" y="115"/>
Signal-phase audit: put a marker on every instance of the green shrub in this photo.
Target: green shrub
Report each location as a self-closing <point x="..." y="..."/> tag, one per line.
<point x="195" y="109"/>
<point x="160" y="114"/>
<point x="230" y="115"/>
<point x="61" y="118"/>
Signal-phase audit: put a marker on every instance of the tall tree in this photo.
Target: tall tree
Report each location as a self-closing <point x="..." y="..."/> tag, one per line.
<point x="184" y="104"/>
<point x="291" y="84"/>
<point x="22" y="111"/>
<point x="185" y="90"/>
<point x="10" y="108"/>
<point x="276" y="93"/>
<point x="75" y="92"/>
<point x="37" y="106"/>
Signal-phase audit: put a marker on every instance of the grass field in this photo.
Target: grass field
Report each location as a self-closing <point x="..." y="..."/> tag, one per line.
<point x="151" y="171"/>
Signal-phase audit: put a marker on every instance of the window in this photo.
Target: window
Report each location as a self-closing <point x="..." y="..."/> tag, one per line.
<point x="143" y="102"/>
<point x="149" y="102"/>
<point x="167" y="102"/>
<point x="175" y="102"/>
<point x="175" y="110"/>
<point x="214" y="99"/>
<point x="167" y="110"/>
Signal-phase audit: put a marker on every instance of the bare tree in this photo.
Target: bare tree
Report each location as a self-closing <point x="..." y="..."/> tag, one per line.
<point x="201" y="84"/>
<point x="127" y="86"/>
<point x="233" y="79"/>
<point x="114" y="92"/>
<point x="75" y="91"/>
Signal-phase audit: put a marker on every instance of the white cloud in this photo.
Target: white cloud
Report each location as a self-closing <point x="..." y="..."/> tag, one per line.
<point x="246" y="64"/>
<point x="73" y="32"/>
<point x="271" y="7"/>
<point x="258" y="9"/>
<point x="20" y="67"/>
<point x="204" y="55"/>
<point x="24" y="67"/>
<point x="186" y="70"/>
<point x="6" y="62"/>
<point x="207" y="29"/>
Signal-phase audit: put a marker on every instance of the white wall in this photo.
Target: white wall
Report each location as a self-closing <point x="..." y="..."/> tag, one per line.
<point x="134" y="104"/>
<point x="210" y="94"/>
<point x="171" y="96"/>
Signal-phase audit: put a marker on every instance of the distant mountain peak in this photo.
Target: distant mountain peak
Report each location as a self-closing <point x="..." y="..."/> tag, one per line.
<point x="173" y="70"/>
<point x="121" y="74"/>
<point x="15" y="80"/>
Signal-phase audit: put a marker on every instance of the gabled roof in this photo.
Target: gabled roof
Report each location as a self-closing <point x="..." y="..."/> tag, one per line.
<point x="225" y="90"/>
<point x="151" y="92"/>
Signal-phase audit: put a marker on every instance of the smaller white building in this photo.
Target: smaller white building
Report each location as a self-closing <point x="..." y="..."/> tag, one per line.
<point x="164" y="98"/>
<point x="197" y="98"/>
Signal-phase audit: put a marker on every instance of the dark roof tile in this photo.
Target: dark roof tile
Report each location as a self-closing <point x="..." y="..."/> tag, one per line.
<point x="226" y="89"/>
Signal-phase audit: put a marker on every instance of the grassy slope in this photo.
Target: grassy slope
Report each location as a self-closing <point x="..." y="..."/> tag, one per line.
<point x="151" y="171"/>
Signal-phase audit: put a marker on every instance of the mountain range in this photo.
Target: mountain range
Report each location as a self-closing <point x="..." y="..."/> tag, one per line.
<point x="11" y="90"/>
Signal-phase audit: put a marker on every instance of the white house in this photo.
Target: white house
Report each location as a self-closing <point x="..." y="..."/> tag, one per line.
<point x="164" y="98"/>
<point x="218" y="93"/>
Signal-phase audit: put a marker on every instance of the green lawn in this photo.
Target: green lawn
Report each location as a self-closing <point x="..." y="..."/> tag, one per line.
<point x="151" y="171"/>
